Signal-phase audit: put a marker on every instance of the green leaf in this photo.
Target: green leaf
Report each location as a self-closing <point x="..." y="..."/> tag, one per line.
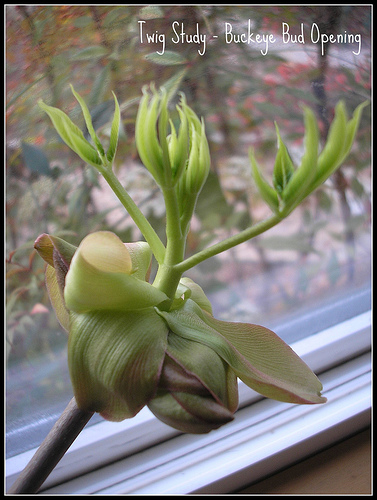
<point x="88" y="122"/>
<point x="304" y="175"/>
<point x="258" y="356"/>
<point x="72" y="135"/>
<point x="162" y="127"/>
<point x="115" y="360"/>
<point x="115" y="16"/>
<point x="151" y="12"/>
<point x="283" y="168"/>
<point x="339" y="141"/>
<point x="172" y="85"/>
<point x="99" y="87"/>
<point x="114" y="134"/>
<point x="83" y="21"/>
<point x="267" y="192"/>
<point x="294" y="381"/>
<point x="152" y="144"/>
<point x="178" y="156"/>
<point x="212" y="199"/>
<point x="89" y="53"/>
<point x="352" y="127"/>
<point x="168" y="58"/>
<point x="17" y="95"/>
<point x="331" y="154"/>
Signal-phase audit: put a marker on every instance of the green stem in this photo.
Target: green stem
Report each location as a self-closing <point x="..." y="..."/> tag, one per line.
<point x="228" y="243"/>
<point x="146" y="229"/>
<point x="175" y="240"/>
<point x="167" y="278"/>
<point x="59" y="439"/>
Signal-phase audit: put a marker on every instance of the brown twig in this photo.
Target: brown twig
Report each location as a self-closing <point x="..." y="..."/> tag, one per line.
<point x="59" y="439"/>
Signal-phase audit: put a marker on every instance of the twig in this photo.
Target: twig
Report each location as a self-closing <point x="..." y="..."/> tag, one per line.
<point x="59" y="439"/>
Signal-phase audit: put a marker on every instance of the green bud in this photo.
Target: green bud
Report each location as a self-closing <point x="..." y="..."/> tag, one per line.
<point x="178" y="146"/>
<point x="194" y="175"/>
<point x="170" y="155"/>
<point x="146" y="135"/>
<point x="125" y="353"/>
<point x="291" y="185"/>
<point x="199" y="160"/>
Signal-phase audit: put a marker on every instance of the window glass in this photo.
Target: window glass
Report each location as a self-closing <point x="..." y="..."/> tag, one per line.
<point x="241" y="68"/>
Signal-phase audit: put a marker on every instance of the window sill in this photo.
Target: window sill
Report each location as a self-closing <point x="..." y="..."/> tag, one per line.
<point x="143" y="455"/>
<point x="344" y="468"/>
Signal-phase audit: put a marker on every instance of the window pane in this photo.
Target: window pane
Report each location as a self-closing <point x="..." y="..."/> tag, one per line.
<point x="320" y="252"/>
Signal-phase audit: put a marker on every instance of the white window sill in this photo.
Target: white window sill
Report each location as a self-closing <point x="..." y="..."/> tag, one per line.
<point x="142" y="455"/>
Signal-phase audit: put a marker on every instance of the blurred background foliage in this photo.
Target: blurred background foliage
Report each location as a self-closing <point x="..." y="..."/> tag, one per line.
<point x="240" y="93"/>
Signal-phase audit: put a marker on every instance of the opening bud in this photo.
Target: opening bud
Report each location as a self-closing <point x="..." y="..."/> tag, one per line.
<point x="166" y="150"/>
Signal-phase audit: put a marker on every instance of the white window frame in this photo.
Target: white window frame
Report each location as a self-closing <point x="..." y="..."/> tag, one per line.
<point x="144" y="456"/>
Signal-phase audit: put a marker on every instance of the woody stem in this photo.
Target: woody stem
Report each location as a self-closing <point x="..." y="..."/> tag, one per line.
<point x="59" y="439"/>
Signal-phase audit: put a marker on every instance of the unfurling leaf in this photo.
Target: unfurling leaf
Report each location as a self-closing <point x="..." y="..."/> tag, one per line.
<point x="292" y="186"/>
<point x="339" y="140"/>
<point x="283" y="168"/>
<point x="124" y="352"/>
<point x="303" y="176"/>
<point x="74" y="138"/>
<point x="114" y="134"/>
<point x="72" y="135"/>
<point x="58" y="254"/>
<point x="267" y="192"/>
<point x="88" y="122"/>
<point x="256" y="355"/>
<point x="115" y="359"/>
<point x="100" y="277"/>
<point x="197" y="391"/>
